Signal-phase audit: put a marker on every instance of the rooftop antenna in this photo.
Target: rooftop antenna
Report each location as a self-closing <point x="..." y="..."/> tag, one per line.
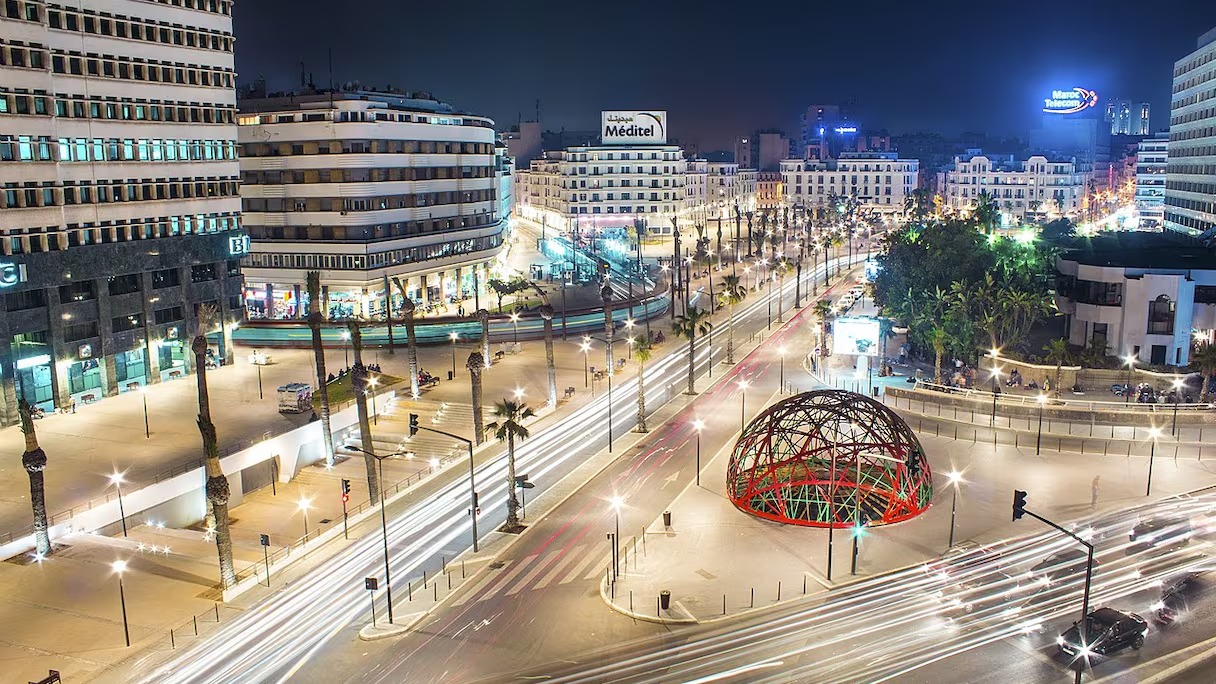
<point x="538" y="110"/>
<point x="331" y="77"/>
<point x="303" y="76"/>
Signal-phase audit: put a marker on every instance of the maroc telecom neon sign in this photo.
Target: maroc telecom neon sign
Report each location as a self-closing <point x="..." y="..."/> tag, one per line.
<point x="1069" y="101"/>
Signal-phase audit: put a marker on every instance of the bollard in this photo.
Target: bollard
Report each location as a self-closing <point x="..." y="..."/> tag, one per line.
<point x="753" y="603"/>
<point x="436" y="587"/>
<point x="658" y="606"/>
<point x="443" y="564"/>
<point x="804" y="585"/>
<point x="724" y="604"/>
<point x="424" y="579"/>
<point x="630" y="600"/>
<point x="778" y="591"/>
<point x="461" y="569"/>
<point x="195" y="625"/>
<point x="449" y="582"/>
<point x="172" y="641"/>
<point x="217" y="612"/>
<point x="666" y="518"/>
<point x="409" y="589"/>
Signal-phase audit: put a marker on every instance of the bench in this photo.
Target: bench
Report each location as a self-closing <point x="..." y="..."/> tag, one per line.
<point x="569" y="392"/>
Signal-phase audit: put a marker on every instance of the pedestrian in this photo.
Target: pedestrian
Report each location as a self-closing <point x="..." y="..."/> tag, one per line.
<point x="1094" y="486"/>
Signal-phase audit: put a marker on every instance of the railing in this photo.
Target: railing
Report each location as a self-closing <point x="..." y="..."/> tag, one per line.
<point x="1018" y="399"/>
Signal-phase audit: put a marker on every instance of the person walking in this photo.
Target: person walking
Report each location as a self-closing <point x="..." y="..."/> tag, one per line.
<point x="1094" y="487"/>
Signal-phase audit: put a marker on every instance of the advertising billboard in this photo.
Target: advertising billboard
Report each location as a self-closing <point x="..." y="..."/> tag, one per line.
<point x="856" y="335"/>
<point x="1069" y="101"/>
<point x="633" y="128"/>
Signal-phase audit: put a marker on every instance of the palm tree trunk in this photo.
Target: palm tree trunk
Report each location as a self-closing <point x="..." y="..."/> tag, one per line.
<point x="730" y="332"/>
<point x="479" y="426"/>
<point x="34" y="462"/>
<point x="606" y="295"/>
<point x="358" y="384"/>
<point x="1059" y="374"/>
<point x="411" y="341"/>
<point x="549" y="362"/>
<point x="692" y="343"/>
<point x="485" y="334"/>
<point x="937" y="366"/>
<point x="512" y="501"/>
<point x="641" y="398"/>
<point x="388" y="313"/>
<point x="318" y="351"/>
<point x="1204" y="389"/>
<point x="217" y="488"/>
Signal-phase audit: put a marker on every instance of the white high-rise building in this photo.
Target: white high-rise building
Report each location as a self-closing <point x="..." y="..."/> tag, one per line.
<point x="1151" y="156"/>
<point x="1190" y="183"/>
<point x="880" y="180"/>
<point x="365" y="187"/>
<point x="1035" y="186"/>
<point x="119" y="204"/>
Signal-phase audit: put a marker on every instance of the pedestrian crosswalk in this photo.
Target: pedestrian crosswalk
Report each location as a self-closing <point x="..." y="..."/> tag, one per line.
<point x="538" y="571"/>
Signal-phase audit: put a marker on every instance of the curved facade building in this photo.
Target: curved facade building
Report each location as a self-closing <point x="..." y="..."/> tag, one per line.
<point x="365" y="187"/>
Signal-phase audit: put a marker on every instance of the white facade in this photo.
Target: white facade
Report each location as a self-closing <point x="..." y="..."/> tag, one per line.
<point x="880" y="180"/>
<point x="1151" y="156"/>
<point x="1032" y="186"/>
<point x="1190" y="185"/>
<point x="366" y="187"/>
<point x="614" y="185"/>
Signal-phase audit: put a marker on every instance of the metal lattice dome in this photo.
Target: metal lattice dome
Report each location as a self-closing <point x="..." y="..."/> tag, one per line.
<point x="829" y="458"/>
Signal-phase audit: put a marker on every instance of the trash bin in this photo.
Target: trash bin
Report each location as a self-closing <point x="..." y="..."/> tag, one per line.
<point x="666" y="518"/>
<point x="450" y="375"/>
<point x="665" y="600"/>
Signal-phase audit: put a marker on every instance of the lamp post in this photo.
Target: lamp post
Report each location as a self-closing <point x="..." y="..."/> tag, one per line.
<point x="119" y="567"/>
<point x="743" y="384"/>
<point x="996" y="374"/>
<point x="781" y="351"/>
<point x="698" y="425"/>
<point x="629" y="332"/>
<point x="453" y="336"/>
<point x="143" y="390"/>
<point x="610" y="413"/>
<point x="117" y="480"/>
<point x="1178" y="383"/>
<point x="515" y="326"/>
<point x="346" y="347"/>
<point x="955" y="478"/>
<point x="1153" y="433"/>
<point x="303" y="505"/>
<point x="372" y="382"/>
<point x="1038" y="440"/>
<point x="1130" y="360"/>
<point x="616" y="502"/>
<point x="260" y="395"/>
<point x="585" y="347"/>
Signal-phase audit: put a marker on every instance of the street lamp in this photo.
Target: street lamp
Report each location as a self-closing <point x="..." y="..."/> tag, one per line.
<point x="781" y="351"/>
<point x="1130" y="360"/>
<point x="586" y="347"/>
<point x="1153" y="433"/>
<point x="1038" y="440"/>
<point x="119" y="567"/>
<point x="1178" y="383"/>
<point x="453" y="336"/>
<point x="955" y="478"/>
<point x="143" y="390"/>
<point x="996" y="374"/>
<point x="303" y="505"/>
<point x="616" y="501"/>
<point x="743" y="384"/>
<point x="117" y="480"/>
<point x="346" y="346"/>
<point x="372" y="382"/>
<point x="515" y="326"/>
<point x="698" y="425"/>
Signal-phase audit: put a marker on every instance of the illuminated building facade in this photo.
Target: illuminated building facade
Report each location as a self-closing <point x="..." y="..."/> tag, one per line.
<point x="1190" y="182"/>
<point x="119" y="210"/>
<point x="880" y="180"/>
<point x="1036" y="186"/>
<point x="1150" y="181"/>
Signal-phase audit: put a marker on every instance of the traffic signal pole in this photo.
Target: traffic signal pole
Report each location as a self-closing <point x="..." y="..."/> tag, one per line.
<point x="473" y="505"/>
<point x="1019" y="509"/>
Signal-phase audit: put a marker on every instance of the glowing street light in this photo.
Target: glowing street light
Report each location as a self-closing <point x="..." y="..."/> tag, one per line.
<point x="116" y="479"/>
<point x="1130" y="360"/>
<point x="453" y="336"/>
<point x="303" y="505"/>
<point x="346" y="346"/>
<point x="1038" y="440"/>
<point x="585" y="347"/>
<point x="119" y="567"/>
<point x="515" y="326"/>
<point x="955" y="478"/>
<point x="1178" y="384"/>
<point x="519" y="393"/>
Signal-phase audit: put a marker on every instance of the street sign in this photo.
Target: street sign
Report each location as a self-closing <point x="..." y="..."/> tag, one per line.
<point x="265" y="540"/>
<point x="371" y="583"/>
<point x="522" y="481"/>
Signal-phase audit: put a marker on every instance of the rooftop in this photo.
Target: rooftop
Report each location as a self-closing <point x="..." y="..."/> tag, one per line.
<point x="1142" y="250"/>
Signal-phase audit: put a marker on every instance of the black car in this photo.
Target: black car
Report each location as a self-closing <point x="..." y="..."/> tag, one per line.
<point x="1110" y="631"/>
<point x="1161" y="531"/>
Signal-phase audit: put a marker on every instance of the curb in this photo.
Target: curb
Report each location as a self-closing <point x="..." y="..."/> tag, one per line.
<point x="378" y="632"/>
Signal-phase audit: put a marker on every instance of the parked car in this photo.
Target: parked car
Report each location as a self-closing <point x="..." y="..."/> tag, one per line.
<point x="1110" y="631"/>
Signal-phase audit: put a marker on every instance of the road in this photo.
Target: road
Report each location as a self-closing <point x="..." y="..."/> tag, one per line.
<point x="283" y="635"/>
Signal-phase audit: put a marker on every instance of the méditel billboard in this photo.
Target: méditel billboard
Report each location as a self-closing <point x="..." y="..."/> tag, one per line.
<point x="633" y="128"/>
<point x="856" y="335"/>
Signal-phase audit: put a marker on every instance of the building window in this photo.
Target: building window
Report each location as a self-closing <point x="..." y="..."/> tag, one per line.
<point x="1161" y="316"/>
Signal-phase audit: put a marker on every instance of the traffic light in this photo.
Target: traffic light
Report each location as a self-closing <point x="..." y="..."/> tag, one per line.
<point x="476" y="504"/>
<point x="1019" y="504"/>
<point x="345" y="490"/>
<point x="413" y="424"/>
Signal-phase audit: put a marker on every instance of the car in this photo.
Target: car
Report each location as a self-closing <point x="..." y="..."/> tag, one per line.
<point x="966" y="558"/>
<point x="1110" y="631"/>
<point x="1058" y="566"/>
<point x="991" y="592"/>
<point x="1161" y="531"/>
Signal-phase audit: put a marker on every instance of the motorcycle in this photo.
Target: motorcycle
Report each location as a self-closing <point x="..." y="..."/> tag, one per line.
<point x="425" y="379"/>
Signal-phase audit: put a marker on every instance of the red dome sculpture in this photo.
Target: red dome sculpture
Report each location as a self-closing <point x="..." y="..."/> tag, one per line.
<point x="829" y="458"/>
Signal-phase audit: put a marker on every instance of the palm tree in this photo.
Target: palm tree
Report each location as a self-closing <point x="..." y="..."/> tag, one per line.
<point x="695" y="322"/>
<point x="546" y="314"/>
<point x="358" y="386"/>
<point x="484" y="317"/>
<point x="939" y="338"/>
<point x="1204" y="356"/>
<point x="781" y="269"/>
<point x="733" y="293"/>
<point x="606" y="296"/>
<point x="642" y="353"/>
<point x="476" y="365"/>
<point x="408" y="310"/>
<point x="509" y="428"/>
<point x="217" y="485"/>
<point x="34" y="462"/>
<point x="822" y="311"/>
<point x="313" y="283"/>
<point x="1057" y="352"/>
<point x="987" y="210"/>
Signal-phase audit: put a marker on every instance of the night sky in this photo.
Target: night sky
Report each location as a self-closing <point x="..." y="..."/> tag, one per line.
<point x="723" y="69"/>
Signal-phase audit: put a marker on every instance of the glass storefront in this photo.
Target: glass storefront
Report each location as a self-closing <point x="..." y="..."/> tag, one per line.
<point x="32" y="361"/>
<point x="85" y="381"/>
<point x="130" y="370"/>
<point x="172" y="359"/>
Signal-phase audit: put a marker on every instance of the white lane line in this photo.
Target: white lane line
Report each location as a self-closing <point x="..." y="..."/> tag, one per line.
<point x="481" y="583"/>
<point x="523" y="582"/>
<point x="572" y="555"/>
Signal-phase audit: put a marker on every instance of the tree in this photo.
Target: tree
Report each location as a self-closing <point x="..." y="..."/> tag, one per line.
<point x="546" y="314"/>
<point x="695" y="322"/>
<point x="313" y="284"/>
<point x="642" y="353"/>
<point x="217" y="484"/>
<point x="939" y="338"/>
<point x="34" y="462"/>
<point x="1204" y="356"/>
<point x="733" y="292"/>
<point x="408" y="310"/>
<point x="509" y="428"/>
<point x="1057" y="352"/>
<point x="822" y="311"/>
<point x="987" y="211"/>
<point x="358" y="386"/>
<point x="476" y="365"/>
<point x="484" y="317"/>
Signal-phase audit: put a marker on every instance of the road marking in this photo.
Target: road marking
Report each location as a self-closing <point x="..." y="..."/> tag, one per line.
<point x="502" y="580"/>
<point x="599" y="550"/>
<point x="464" y="597"/>
<point x="572" y="555"/>
<point x="522" y="583"/>
<point x="670" y="479"/>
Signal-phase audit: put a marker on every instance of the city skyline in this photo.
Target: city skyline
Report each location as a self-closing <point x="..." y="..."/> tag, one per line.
<point x="956" y="78"/>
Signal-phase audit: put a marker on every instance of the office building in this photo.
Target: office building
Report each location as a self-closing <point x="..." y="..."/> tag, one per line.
<point x="1037" y="186"/>
<point x="880" y="181"/>
<point x="762" y="150"/>
<point x="1150" y="181"/>
<point x="1190" y="181"/>
<point x="1127" y="118"/>
<point x="119" y="209"/>
<point x="366" y="187"/>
